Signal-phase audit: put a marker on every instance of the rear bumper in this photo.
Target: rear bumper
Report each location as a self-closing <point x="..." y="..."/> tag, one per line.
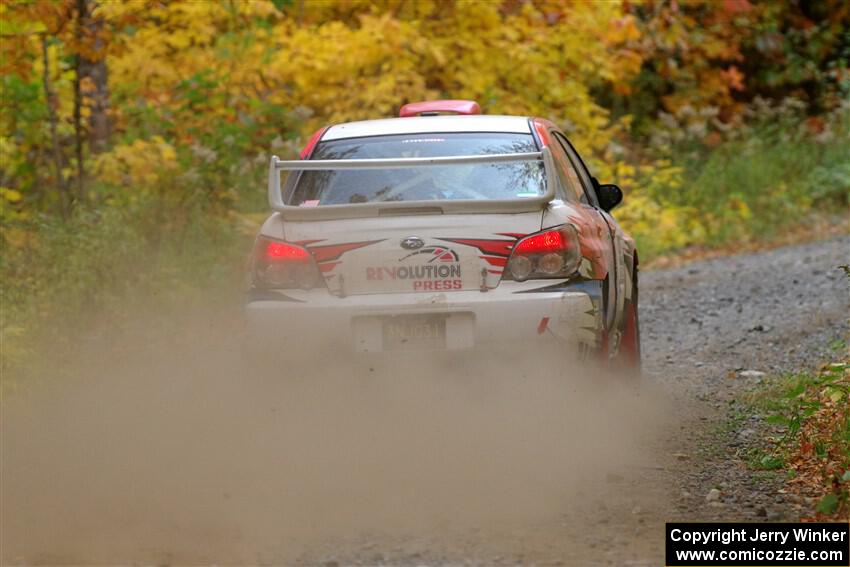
<point x="512" y="313"/>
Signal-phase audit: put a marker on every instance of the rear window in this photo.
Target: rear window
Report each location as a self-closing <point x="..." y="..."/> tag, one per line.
<point x="431" y="183"/>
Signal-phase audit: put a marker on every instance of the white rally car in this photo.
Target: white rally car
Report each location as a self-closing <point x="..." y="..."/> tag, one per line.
<point x="442" y="229"/>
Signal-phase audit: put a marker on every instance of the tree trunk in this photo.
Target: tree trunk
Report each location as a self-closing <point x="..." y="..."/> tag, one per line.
<point x="78" y="126"/>
<point x="92" y="66"/>
<point x="50" y="99"/>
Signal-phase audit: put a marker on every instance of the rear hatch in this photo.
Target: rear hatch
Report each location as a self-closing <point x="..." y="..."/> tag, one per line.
<point x="422" y="253"/>
<point x="416" y="229"/>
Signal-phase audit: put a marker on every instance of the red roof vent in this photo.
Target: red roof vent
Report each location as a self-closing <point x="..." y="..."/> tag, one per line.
<point x="435" y="107"/>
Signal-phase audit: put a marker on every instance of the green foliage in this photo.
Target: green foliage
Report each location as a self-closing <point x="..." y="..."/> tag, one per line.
<point x="766" y="178"/>
<point x="806" y="58"/>
<point x="762" y="461"/>
<point x="828" y="504"/>
<point x="811" y="410"/>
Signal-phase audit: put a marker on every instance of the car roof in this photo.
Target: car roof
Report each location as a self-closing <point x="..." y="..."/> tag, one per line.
<point x="429" y="124"/>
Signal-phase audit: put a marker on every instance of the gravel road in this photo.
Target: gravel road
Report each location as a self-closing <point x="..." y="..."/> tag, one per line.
<point x="150" y="452"/>
<point x="710" y="322"/>
<point x="703" y="325"/>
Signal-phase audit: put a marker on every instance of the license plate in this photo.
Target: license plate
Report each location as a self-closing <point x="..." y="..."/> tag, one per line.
<point x="409" y="332"/>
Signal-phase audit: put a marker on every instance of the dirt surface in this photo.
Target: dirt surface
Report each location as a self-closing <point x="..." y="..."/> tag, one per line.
<point x="152" y="446"/>
<point x="770" y="313"/>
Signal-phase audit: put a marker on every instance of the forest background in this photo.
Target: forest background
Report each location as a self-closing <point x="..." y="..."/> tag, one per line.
<point x="135" y="135"/>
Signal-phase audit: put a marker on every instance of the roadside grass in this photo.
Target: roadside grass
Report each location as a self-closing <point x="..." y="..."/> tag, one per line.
<point x="765" y="184"/>
<point x="813" y="227"/>
<point x="93" y="273"/>
<point x="810" y="415"/>
<point x="774" y="177"/>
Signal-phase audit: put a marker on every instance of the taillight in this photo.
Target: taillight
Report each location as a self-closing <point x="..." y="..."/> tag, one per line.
<point x="553" y="253"/>
<point x="281" y="265"/>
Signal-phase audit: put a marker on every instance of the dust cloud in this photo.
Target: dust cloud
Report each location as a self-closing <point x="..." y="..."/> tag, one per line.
<point x="156" y="442"/>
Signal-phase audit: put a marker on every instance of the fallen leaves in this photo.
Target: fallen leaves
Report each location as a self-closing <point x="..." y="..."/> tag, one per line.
<point x="820" y="451"/>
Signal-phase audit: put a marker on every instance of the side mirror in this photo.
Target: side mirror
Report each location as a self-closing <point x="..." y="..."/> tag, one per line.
<point x="609" y="196"/>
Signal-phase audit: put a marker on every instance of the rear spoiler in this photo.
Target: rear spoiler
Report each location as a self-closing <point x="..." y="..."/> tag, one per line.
<point x="517" y="205"/>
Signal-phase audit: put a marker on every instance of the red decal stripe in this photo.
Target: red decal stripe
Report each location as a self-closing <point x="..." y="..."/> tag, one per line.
<point x="311" y="143"/>
<point x="495" y="260"/>
<point x="487" y="246"/>
<point x="542" y="132"/>
<point x="328" y="266"/>
<point x="334" y="251"/>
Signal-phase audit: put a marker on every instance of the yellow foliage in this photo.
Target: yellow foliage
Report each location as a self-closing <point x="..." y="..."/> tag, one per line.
<point x="226" y="82"/>
<point x="664" y="227"/>
<point x="340" y="61"/>
<point x="736" y="206"/>
<point x="140" y="164"/>
<point x="10" y="195"/>
<point x="657" y="225"/>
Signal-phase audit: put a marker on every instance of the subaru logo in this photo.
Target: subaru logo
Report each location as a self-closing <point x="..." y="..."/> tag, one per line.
<point x="412" y="243"/>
